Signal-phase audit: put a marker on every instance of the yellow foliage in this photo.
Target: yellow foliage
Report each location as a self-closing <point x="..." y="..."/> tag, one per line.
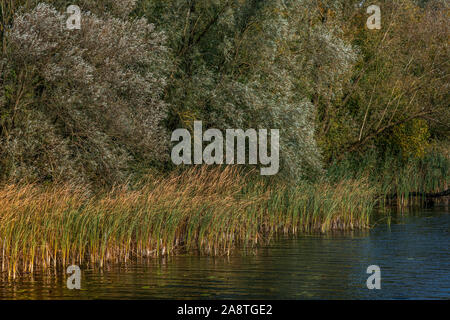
<point x="413" y="138"/>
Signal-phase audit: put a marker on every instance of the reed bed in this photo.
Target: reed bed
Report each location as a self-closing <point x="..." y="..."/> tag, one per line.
<point x="398" y="180"/>
<point x="210" y="211"/>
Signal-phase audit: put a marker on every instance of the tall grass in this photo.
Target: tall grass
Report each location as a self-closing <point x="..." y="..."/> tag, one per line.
<point x="210" y="211"/>
<point x="396" y="178"/>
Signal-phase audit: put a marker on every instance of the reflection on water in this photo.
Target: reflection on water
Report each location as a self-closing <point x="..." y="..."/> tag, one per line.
<point x="412" y="253"/>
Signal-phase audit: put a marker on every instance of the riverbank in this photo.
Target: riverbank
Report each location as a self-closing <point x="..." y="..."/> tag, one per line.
<point x="210" y="211"/>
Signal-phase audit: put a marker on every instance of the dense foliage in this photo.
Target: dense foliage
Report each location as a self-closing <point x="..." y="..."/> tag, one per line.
<point x="397" y="99"/>
<point x="81" y="105"/>
<point x="96" y="105"/>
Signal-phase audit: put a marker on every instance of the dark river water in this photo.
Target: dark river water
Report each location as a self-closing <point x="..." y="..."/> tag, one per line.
<point x="412" y="253"/>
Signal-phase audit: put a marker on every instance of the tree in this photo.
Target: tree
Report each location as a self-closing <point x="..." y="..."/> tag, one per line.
<point x="254" y="64"/>
<point x="401" y="78"/>
<point x="82" y="104"/>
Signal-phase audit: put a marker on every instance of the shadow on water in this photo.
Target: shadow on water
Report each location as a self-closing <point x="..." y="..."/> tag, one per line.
<point x="412" y="252"/>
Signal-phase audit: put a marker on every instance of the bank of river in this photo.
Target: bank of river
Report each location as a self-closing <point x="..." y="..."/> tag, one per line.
<point x="412" y="252"/>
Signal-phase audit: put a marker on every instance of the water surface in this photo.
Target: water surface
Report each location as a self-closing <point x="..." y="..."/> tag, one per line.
<point x="412" y="253"/>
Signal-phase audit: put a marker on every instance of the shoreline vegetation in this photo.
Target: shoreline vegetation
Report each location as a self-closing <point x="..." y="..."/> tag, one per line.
<point x="205" y="210"/>
<point x="86" y="117"/>
<point x="210" y="211"/>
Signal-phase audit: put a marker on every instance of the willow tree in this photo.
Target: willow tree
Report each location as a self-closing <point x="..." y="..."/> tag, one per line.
<point x="254" y="64"/>
<point x="83" y="105"/>
<point x="397" y="99"/>
<point x="232" y="64"/>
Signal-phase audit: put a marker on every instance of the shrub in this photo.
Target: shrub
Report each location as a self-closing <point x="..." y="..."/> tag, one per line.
<point x="81" y="104"/>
